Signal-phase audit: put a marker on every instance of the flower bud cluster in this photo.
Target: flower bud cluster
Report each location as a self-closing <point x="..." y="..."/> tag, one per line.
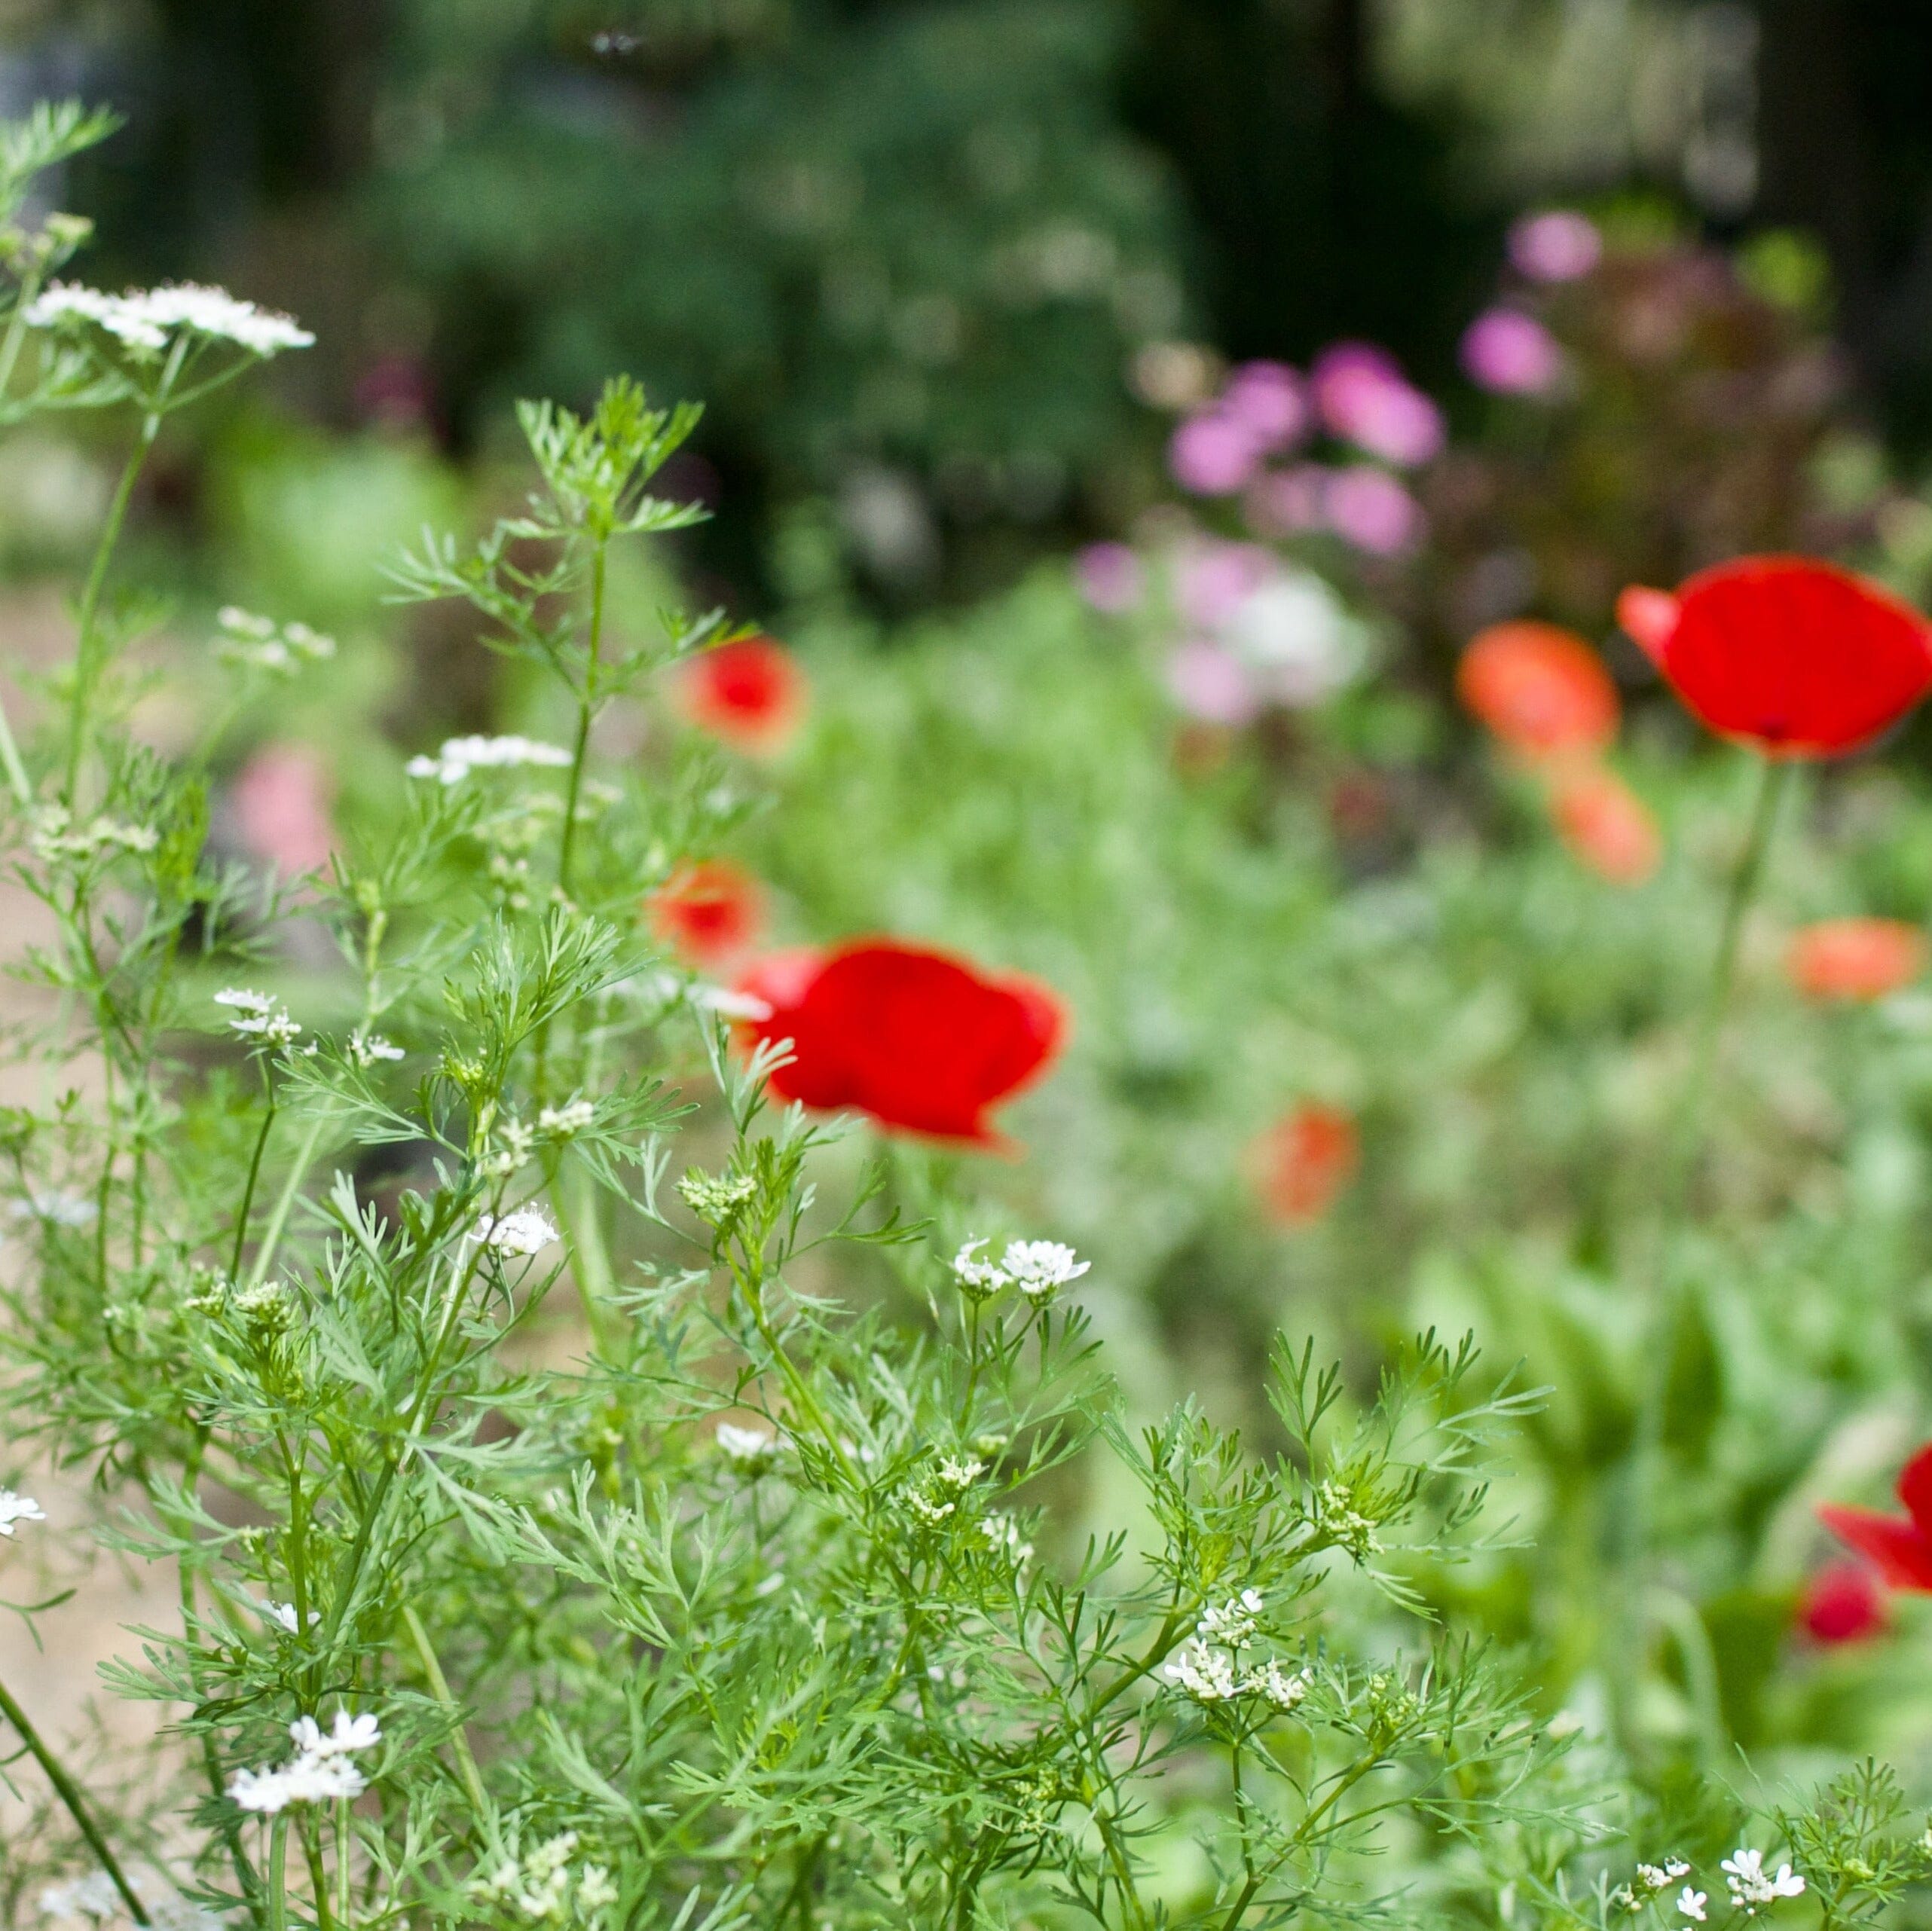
<point x="1207" y="1667"/>
<point x="543" y="1887"/>
<point x="56" y="836"/>
<point x="263" y="1019"/>
<point x="323" y="1769"/>
<point x="259" y="643"/>
<point x="1039" y="1269"/>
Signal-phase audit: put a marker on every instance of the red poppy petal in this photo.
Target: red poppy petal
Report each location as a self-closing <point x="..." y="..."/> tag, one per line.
<point x="1915" y="1488"/>
<point x="1647" y="617"/>
<point x="1900" y="1548"/>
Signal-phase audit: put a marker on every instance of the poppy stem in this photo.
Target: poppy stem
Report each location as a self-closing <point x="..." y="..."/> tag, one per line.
<point x="1661" y="1321"/>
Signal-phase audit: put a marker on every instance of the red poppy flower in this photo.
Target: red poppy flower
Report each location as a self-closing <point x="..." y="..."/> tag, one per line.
<point x="1843" y="1602"/>
<point x="1855" y="958"/>
<point x="1300" y="1164"/>
<point x="1606" y="827"/>
<point x="922" y="1041"/>
<point x="1798" y="658"/>
<point x="708" y="912"/>
<point x="1542" y="690"/>
<point x="750" y="692"/>
<point x="1902" y="1548"/>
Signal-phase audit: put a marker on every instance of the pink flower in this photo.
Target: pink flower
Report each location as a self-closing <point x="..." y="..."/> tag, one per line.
<point x="1511" y="353"/>
<point x="281" y="801"/>
<point x="1558" y="245"/>
<point x="1209" y="682"/>
<point x="1369" y="509"/>
<point x="1270" y="401"/>
<point x="1287" y="503"/>
<point x="1110" y="577"/>
<point x="1363" y="399"/>
<point x="1213" y="454"/>
<point x="1212" y="580"/>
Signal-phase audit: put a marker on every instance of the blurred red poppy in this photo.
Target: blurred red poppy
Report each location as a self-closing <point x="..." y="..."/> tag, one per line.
<point x="923" y="1042"/>
<point x="1844" y="1602"/>
<point x="1606" y="827"/>
<point x="708" y="912"/>
<point x="1855" y="958"/>
<point x="750" y="692"/>
<point x="1798" y="658"/>
<point x="1301" y="1163"/>
<point x="1541" y="689"/>
<point x="1901" y="1547"/>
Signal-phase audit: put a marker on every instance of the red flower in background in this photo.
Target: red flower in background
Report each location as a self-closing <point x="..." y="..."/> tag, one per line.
<point x="1855" y="958"/>
<point x="1300" y="1164"/>
<point x="1844" y="1602"/>
<point x="1542" y="690"/>
<point x="708" y="913"/>
<point x="1799" y="658"/>
<point x="1606" y="827"/>
<point x="750" y="692"/>
<point x="1901" y="1547"/>
<point x="923" y="1042"/>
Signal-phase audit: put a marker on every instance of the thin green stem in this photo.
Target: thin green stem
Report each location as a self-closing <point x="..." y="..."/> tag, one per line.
<point x="16" y="326"/>
<point x="271" y="1234"/>
<point x="69" y="1793"/>
<point x="278" y="1873"/>
<point x="466" y="1764"/>
<point x="586" y="711"/>
<point x="9" y="757"/>
<point x="254" y="1172"/>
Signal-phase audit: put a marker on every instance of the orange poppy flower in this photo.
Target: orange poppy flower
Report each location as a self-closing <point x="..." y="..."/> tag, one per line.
<point x="708" y="913"/>
<point x="1300" y="1164"/>
<point x="1542" y="690"/>
<point x="1606" y="827"/>
<point x="1855" y="958"/>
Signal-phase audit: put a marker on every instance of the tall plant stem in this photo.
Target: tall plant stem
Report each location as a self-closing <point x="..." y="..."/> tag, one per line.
<point x="1686" y="1145"/>
<point x="465" y="1763"/>
<point x="254" y="1173"/>
<point x="86" y="660"/>
<point x="69" y="1793"/>
<point x="9" y="760"/>
<point x="586" y="711"/>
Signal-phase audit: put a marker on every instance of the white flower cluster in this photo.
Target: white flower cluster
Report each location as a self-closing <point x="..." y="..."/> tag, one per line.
<point x="1207" y="1667"/>
<point x="322" y="1770"/>
<point x="18" y="1509"/>
<point x="262" y="1018"/>
<point x="62" y="1210"/>
<point x="564" y="1121"/>
<point x="1039" y="1269"/>
<point x="1003" y="1533"/>
<point x="261" y="644"/>
<point x="748" y="1453"/>
<point x="55" y="835"/>
<point x="144" y="319"/>
<point x="94" y="1896"/>
<point x="518" y="1235"/>
<point x="1661" y="1877"/>
<point x="1335" y="1513"/>
<point x="460" y="756"/>
<point x="539" y="1884"/>
<point x="1752" y="1887"/>
<point x="364" y="1049"/>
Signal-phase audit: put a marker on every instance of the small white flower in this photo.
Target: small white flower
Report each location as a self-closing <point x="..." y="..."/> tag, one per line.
<point x="245" y="1000"/>
<point x="1042" y="1267"/>
<point x="1206" y="1674"/>
<point x="1233" y="1622"/>
<point x="365" y="1048"/>
<point x="18" y="1509"/>
<point x="1284" y="1690"/>
<point x="459" y="757"/>
<point x="751" y="1452"/>
<point x="565" y="1120"/>
<point x="1751" y="1886"/>
<point x="142" y="318"/>
<point x="1691" y="1903"/>
<point x="267" y="1791"/>
<point x="979" y="1280"/>
<point x="594" y="1889"/>
<point x="351" y="1733"/>
<point x="517" y="1235"/>
<point x="1002" y="1532"/>
<point x="961" y="1474"/>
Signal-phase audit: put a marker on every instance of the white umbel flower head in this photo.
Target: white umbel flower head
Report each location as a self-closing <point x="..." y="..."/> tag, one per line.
<point x="1202" y="1672"/>
<point x="1752" y="1886"/>
<point x="18" y="1509"/>
<point x="749" y="1453"/>
<point x="459" y="757"/>
<point x="1041" y="1268"/>
<point x="518" y="1235"/>
<point x="147" y="320"/>
<point x="1691" y="1903"/>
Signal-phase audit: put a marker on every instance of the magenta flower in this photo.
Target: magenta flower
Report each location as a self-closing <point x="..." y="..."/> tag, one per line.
<point x="1369" y="509"/>
<point x="1269" y="400"/>
<point x="1110" y="577"/>
<point x="1364" y="399"/>
<point x="1510" y="353"/>
<point x="1213" y="454"/>
<point x="1213" y="579"/>
<point x="1558" y="245"/>
<point x="1210" y="682"/>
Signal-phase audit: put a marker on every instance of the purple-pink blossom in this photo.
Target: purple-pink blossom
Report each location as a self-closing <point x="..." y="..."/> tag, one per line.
<point x="1559" y="245"/>
<point x="1212" y="453"/>
<point x="1210" y="682"/>
<point x="1110" y="577"/>
<point x="1212" y="579"/>
<point x="1511" y="353"/>
<point x="1270" y="400"/>
<point x="1369" y="509"/>
<point x="1363" y="398"/>
<point x="1287" y="503"/>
